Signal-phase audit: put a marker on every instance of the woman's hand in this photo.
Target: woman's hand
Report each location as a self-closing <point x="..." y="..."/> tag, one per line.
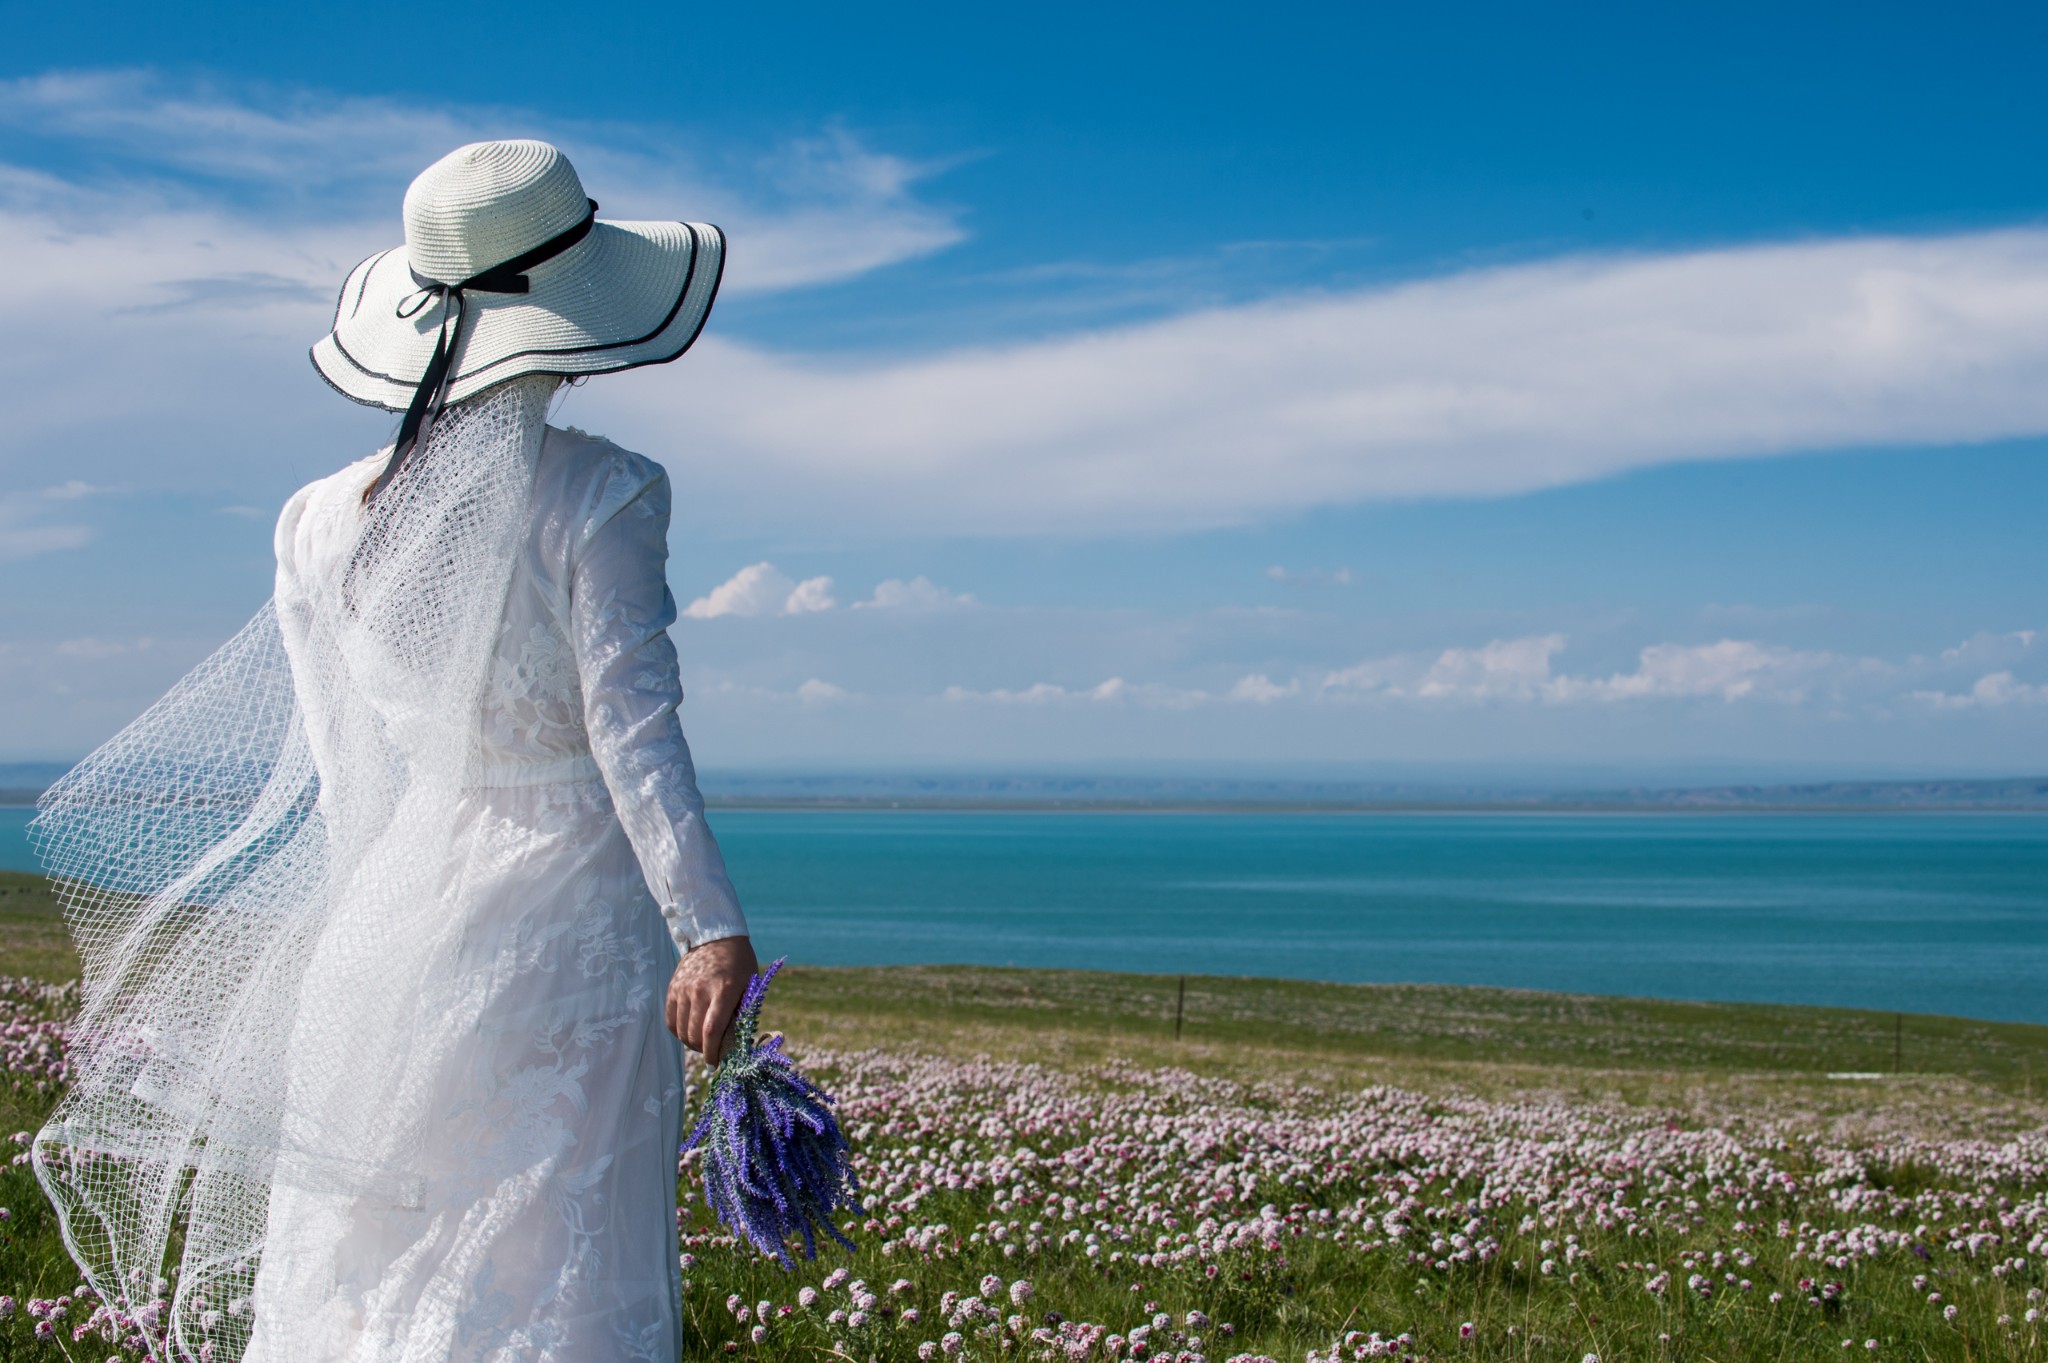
<point x="704" y="995"/>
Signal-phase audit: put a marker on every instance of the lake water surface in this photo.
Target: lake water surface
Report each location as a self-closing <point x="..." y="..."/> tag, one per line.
<point x="1939" y="913"/>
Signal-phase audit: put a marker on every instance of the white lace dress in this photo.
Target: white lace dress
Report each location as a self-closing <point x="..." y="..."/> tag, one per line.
<point x="544" y="1228"/>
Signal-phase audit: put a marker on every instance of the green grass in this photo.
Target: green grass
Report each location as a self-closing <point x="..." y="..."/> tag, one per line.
<point x="1758" y="1072"/>
<point x="1417" y="1023"/>
<point x="32" y="937"/>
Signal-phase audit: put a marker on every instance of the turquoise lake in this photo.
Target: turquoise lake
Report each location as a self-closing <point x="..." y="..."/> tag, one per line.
<point x="1937" y="913"/>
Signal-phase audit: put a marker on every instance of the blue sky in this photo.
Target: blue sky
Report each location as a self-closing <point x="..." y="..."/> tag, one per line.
<point x="1619" y="386"/>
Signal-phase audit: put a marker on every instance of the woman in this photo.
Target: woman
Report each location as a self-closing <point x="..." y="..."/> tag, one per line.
<point x="383" y="908"/>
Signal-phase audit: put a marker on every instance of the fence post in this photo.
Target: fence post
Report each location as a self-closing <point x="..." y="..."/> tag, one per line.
<point x="1180" y="1003"/>
<point x="1898" y="1043"/>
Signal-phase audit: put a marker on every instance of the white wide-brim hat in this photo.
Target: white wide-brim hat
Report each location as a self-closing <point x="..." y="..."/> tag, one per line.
<point x="608" y="295"/>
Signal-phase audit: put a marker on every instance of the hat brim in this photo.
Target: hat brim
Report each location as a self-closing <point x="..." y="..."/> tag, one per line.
<point x="629" y="294"/>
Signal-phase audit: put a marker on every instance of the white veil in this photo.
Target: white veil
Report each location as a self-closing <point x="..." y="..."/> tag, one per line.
<point x="258" y="874"/>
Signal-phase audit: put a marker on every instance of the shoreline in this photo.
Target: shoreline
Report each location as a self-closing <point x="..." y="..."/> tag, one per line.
<point x="772" y="804"/>
<point x="769" y="805"/>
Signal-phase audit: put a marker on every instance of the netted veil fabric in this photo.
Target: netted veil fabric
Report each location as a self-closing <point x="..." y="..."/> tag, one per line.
<point x="372" y="1060"/>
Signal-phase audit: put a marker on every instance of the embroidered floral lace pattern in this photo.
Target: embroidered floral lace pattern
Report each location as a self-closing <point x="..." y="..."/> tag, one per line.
<point x="543" y="1228"/>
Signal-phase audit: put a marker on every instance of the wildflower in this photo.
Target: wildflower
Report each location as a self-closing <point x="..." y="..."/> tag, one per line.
<point x="1948" y="1312"/>
<point x="952" y="1343"/>
<point x="927" y="1351"/>
<point x="6" y="1307"/>
<point x="991" y="1286"/>
<point x="1466" y="1331"/>
<point x="1020" y="1291"/>
<point x="857" y="1319"/>
<point x="807" y="1297"/>
<point x="759" y="1334"/>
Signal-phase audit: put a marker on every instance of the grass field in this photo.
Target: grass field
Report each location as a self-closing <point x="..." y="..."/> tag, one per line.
<point x="1313" y="1172"/>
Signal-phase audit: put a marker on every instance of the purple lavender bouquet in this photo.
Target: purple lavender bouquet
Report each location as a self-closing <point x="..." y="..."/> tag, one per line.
<point x="776" y="1164"/>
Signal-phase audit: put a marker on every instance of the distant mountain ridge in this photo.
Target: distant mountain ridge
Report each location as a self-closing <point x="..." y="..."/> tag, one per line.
<point x="21" y="782"/>
<point x="1097" y="791"/>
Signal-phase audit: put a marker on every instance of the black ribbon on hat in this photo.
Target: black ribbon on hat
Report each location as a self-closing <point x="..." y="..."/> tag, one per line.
<point x="431" y="396"/>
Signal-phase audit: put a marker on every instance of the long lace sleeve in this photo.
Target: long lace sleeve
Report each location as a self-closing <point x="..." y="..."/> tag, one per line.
<point x="620" y="609"/>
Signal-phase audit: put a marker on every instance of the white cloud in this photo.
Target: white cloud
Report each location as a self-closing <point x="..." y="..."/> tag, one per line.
<point x="1732" y="669"/>
<point x="27" y="541"/>
<point x="1039" y="693"/>
<point x="1514" y="669"/>
<point x="1484" y="383"/>
<point x="91" y="649"/>
<point x="809" y="596"/>
<point x="220" y="254"/>
<point x="817" y="692"/>
<point x="1374" y="674"/>
<point x="1520" y="669"/>
<point x="26" y="531"/>
<point x="1986" y="647"/>
<point x="1311" y="577"/>
<point x="763" y="589"/>
<point x="1991" y="692"/>
<point x="1114" y="689"/>
<point x="1260" y="689"/>
<point x="918" y="594"/>
<point x="817" y="209"/>
<point x="196" y="238"/>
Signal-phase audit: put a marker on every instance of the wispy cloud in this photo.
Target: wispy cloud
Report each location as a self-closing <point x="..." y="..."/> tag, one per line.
<point x="1523" y="672"/>
<point x="918" y="594"/>
<point x="815" y="209"/>
<point x="26" y="525"/>
<point x="815" y="691"/>
<point x="1112" y="691"/>
<point x="193" y="232"/>
<point x="1994" y="691"/>
<point x="1521" y="669"/>
<point x="1486" y="383"/>
<point x="1310" y="577"/>
<point x="190" y="239"/>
